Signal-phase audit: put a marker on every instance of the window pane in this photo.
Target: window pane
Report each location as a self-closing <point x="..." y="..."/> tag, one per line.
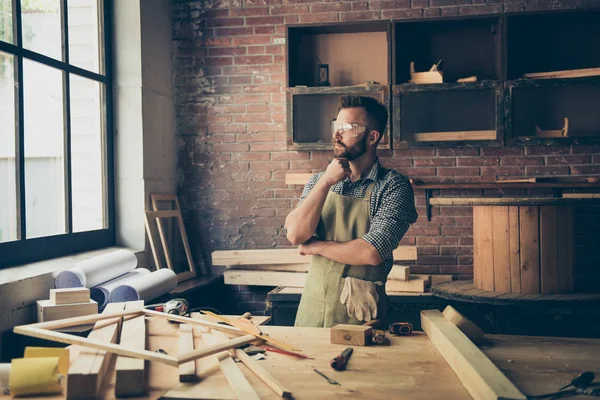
<point x="6" y="21"/>
<point x="44" y="150"/>
<point x="84" y="34"/>
<point x="8" y="185"/>
<point x="87" y="155"/>
<point x="42" y="27"/>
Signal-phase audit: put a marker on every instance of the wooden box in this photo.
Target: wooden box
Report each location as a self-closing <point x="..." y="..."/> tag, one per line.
<point x="46" y="311"/>
<point x="356" y="335"/>
<point x="69" y="296"/>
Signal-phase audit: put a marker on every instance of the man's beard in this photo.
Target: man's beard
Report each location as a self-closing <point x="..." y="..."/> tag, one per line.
<point x="351" y="153"/>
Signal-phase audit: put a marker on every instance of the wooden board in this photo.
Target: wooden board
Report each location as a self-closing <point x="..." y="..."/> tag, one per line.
<point x="501" y="248"/>
<point x="514" y="249"/>
<point x="548" y="250"/>
<point x="443" y="136"/>
<point x="529" y="242"/>
<point x="482" y="379"/>
<point x="571" y="73"/>
<point x="416" y="284"/>
<point x="187" y="371"/>
<point x="399" y="273"/>
<point x="69" y="296"/>
<point x="131" y="372"/>
<point x="472" y="331"/>
<point x="274" y="267"/>
<point x="259" y="278"/>
<point x="46" y="311"/>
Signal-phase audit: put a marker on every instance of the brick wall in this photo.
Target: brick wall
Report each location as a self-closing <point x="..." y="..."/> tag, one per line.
<point x="230" y="96"/>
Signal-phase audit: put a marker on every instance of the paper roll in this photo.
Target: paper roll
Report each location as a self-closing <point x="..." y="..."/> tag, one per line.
<point x="147" y="287"/>
<point x="30" y="376"/>
<point x="97" y="270"/>
<point x="4" y="374"/>
<point x="101" y="293"/>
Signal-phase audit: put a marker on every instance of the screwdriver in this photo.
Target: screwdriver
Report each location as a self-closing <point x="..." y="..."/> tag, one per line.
<point x="339" y="363"/>
<point x="582" y="380"/>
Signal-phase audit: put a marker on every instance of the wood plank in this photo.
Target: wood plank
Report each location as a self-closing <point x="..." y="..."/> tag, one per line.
<point x="508" y="201"/>
<point x="462" y="135"/>
<point x="46" y="311"/>
<point x="564" y="264"/>
<point x="472" y="331"/>
<point x="515" y="249"/>
<point x="259" y="278"/>
<point x="69" y="296"/>
<point x="399" y="273"/>
<point x="581" y="195"/>
<point x="216" y="348"/>
<point x="405" y="253"/>
<point x="187" y="371"/>
<point x="238" y="382"/>
<point x="275" y="267"/>
<point x="297" y="179"/>
<point x="131" y="372"/>
<point x="87" y="372"/>
<point x="481" y="378"/>
<point x="501" y="249"/>
<point x="570" y="73"/>
<point x="483" y="254"/>
<point x="529" y="243"/>
<point x="548" y="250"/>
<point x="414" y="284"/>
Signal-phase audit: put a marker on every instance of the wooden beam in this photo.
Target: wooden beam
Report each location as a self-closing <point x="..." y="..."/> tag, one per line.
<point x="443" y="136"/>
<point x="399" y="273"/>
<point x="571" y="73"/>
<point x="69" y="296"/>
<point x="465" y="325"/>
<point x="187" y="371"/>
<point x="87" y="371"/>
<point x="480" y="377"/>
<point x="131" y="372"/>
<point x="259" y="278"/>
<point x="416" y="284"/>
<point x="216" y="348"/>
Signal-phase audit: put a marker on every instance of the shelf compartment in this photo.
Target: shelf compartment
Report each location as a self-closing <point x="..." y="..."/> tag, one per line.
<point x="348" y="48"/>
<point x="550" y="106"/>
<point x="450" y="113"/>
<point x="311" y="110"/>
<point x="552" y="41"/>
<point x="468" y="46"/>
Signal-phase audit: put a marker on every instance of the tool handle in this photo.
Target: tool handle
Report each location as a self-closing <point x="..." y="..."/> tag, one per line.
<point x="339" y="363"/>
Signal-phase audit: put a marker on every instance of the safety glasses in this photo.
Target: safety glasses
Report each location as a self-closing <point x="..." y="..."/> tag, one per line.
<point x="345" y="129"/>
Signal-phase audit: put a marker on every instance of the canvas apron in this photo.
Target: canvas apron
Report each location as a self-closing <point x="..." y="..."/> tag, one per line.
<point x="343" y="219"/>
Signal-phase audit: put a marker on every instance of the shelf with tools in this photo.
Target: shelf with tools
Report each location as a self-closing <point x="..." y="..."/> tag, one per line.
<point x="553" y="92"/>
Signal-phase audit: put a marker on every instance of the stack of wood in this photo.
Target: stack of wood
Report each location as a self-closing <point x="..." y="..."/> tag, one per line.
<point x="66" y="303"/>
<point x="401" y="280"/>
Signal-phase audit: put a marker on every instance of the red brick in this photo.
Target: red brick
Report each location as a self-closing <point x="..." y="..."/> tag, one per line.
<point x="502" y="171"/>
<point x="226" y="110"/>
<point x="330" y="7"/>
<point x="403" y="14"/>
<point x="274" y="49"/>
<point x="218" y="61"/>
<point x="360" y="15"/>
<point x="264" y="30"/>
<point x="253" y="60"/>
<point x="546" y="150"/>
<point x="291" y="19"/>
<point x="522" y="161"/>
<point x="423" y="251"/>
<point x="266" y="127"/>
<point x="262" y="89"/>
<point x="255" y="137"/>
<point x="251" y="40"/>
<point x="464" y="221"/>
<point x="458" y="171"/>
<point x="256" y="50"/>
<point x="222" y="22"/>
<point x="264" y="108"/>
<point x="414" y="153"/>
<point x="434" y="162"/>
<point x="585" y="149"/>
<point x="432" y="12"/>
<point x="568" y="160"/>
<point x="255" y="100"/>
<point x="436" y="240"/>
<point x="313" y="18"/>
<point x="244" y="31"/>
<point x="252" y="118"/>
<point x="396" y="162"/>
<point x="279" y="117"/>
<point x="260" y="79"/>
<point x="483" y="9"/>
<point x="279" y="59"/>
<point x="458" y="152"/>
<point x="232" y="148"/>
<point x="211" y="14"/>
<point x="544" y="171"/>
<point x="465" y="241"/>
<point x="273" y="69"/>
<point x="389" y="4"/>
<point x="272" y="20"/>
<point x="242" y="70"/>
<point x="250" y="3"/>
<point x="477" y="161"/>
<point x="416" y="172"/>
<point x="226" y="128"/>
<point x="227" y="89"/>
<point x="277" y="97"/>
<point x="250" y="156"/>
<point x="219" y="119"/>
<point x="240" y="80"/>
<point x="267" y="147"/>
<point x="436" y="260"/>
<point x="466" y="211"/>
<point x="248" y="11"/>
<point x="290" y="9"/>
<point x="226" y="51"/>
<point x="502" y="151"/>
<point x="360" y="6"/>
<point x="226" y="138"/>
<point x="225" y="41"/>
<point x="289" y="155"/>
<point x="445" y="3"/>
<point x="457" y="231"/>
<point x="416" y="230"/>
<point x="455" y="251"/>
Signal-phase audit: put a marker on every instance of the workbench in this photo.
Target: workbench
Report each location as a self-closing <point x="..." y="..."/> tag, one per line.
<point x="409" y="368"/>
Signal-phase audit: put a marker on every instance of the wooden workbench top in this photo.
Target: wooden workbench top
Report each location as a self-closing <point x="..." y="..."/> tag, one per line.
<point x="410" y="368"/>
<point x="510" y="201"/>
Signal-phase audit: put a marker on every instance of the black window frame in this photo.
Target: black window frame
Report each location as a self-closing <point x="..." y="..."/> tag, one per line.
<point x="25" y="250"/>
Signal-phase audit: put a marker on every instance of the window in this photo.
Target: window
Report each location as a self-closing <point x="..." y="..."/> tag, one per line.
<point x="56" y="174"/>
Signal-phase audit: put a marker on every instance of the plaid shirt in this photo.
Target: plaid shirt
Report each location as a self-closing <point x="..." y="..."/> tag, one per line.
<point x="392" y="208"/>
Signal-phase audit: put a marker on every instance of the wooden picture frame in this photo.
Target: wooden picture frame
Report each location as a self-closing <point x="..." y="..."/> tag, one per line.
<point x="158" y="214"/>
<point x="46" y="330"/>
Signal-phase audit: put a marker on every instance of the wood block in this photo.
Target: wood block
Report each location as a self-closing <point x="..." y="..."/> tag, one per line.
<point x="187" y="371"/>
<point x="357" y="335"/>
<point x="399" y="273"/>
<point x="414" y="284"/>
<point x="467" y="327"/>
<point x="69" y="296"/>
<point x="49" y="312"/>
<point x="130" y="372"/>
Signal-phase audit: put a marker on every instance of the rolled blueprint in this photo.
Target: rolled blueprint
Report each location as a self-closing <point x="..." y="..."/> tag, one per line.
<point x="96" y="270"/>
<point x="101" y="293"/>
<point x="146" y="287"/>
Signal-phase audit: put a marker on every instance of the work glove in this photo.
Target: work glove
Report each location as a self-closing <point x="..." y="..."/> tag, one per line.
<point x="360" y="298"/>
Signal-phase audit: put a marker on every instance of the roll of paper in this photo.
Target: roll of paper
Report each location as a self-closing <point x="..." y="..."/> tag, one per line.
<point x="101" y="293"/>
<point x="147" y="287"/>
<point x="97" y="270"/>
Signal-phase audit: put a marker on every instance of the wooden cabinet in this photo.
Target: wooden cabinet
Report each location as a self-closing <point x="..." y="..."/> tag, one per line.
<point x="531" y="77"/>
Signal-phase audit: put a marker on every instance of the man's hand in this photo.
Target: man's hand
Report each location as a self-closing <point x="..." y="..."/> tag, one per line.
<point x="360" y="298"/>
<point x="336" y="171"/>
<point x="310" y="247"/>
